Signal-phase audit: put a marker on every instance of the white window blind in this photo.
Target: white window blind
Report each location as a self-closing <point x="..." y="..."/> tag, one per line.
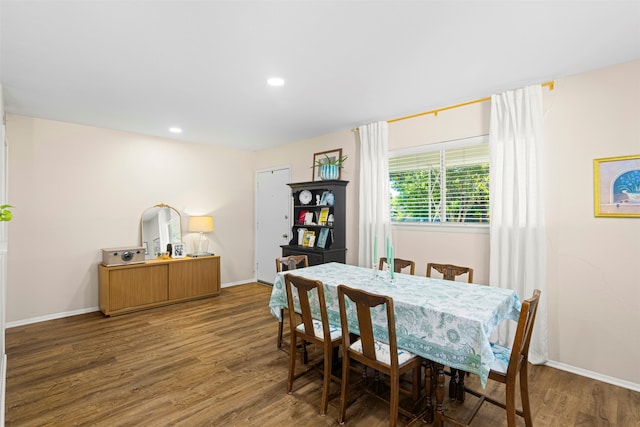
<point x="446" y="182"/>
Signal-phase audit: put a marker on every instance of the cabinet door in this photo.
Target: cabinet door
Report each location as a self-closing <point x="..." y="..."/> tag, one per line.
<point x="131" y="287"/>
<point x="197" y="277"/>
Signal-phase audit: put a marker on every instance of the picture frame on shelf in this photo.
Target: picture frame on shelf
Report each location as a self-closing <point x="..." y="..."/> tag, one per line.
<point x="322" y="238"/>
<point x="321" y="158"/>
<point x="309" y="239"/>
<point x="617" y="186"/>
<point x="178" y="250"/>
<point x="323" y="199"/>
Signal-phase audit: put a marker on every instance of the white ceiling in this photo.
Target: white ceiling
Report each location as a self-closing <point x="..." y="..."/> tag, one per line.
<point x="143" y="66"/>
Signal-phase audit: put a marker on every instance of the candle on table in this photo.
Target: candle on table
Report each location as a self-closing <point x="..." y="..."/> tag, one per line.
<point x="375" y="250"/>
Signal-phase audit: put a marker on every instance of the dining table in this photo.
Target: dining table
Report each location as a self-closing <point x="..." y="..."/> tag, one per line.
<point x="446" y="322"/>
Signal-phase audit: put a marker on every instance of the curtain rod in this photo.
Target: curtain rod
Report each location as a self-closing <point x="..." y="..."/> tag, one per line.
<point x="435" y="112"/>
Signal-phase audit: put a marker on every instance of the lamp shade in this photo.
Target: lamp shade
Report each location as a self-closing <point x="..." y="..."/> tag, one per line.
<point x="200" y="224"/>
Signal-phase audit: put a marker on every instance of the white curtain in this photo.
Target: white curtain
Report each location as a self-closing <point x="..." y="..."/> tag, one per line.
<point x="518" y="237"/>
<point x="374" y="217"/>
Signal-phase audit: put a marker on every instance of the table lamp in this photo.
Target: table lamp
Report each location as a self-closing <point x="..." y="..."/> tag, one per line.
<point x="201" y="224"/>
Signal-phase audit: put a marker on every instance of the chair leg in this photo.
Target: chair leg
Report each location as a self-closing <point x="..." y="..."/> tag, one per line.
<point x="344" y="386"/>
<point x="326" y="383"/>
<point x="280" y="327"/>
<point x="511" y="403"/>
<point x="394" y="399"/>
<point x="524" y="395"/>
<point x="292" y="361"/>
<point x="417" y="374"/>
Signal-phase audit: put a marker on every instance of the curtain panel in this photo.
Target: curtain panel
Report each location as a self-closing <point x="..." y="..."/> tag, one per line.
<point x="517" y="225"/>
<point x="374" y="217"/>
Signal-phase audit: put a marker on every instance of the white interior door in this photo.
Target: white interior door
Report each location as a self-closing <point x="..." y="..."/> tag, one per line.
<point x="273" y="226"/>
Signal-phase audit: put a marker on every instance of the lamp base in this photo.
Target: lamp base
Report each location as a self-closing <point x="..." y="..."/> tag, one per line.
<point x="201" y="246"/>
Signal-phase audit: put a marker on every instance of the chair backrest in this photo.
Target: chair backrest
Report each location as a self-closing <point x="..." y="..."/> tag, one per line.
<point x="450" y="271"/>
<point x="291" y="262"/>
<point x="304" y="288"/>
<point x="364" y="302"/>
<point x="398" y="265"/>
<point x="520" y="349"/>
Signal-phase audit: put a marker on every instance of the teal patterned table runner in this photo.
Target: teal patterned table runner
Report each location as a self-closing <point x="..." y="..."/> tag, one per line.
<point x="444" y="321"/>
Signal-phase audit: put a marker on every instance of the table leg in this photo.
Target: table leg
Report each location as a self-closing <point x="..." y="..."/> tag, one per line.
<point x="439" y="394"/>
<point x="460" y="386"/>
<point x="428" y="390"/>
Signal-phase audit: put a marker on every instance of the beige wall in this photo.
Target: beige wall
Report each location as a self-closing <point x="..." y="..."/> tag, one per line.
<point x="78" y="189"/>
<point x="593" y="291"/>
<point x="594" y="288"/>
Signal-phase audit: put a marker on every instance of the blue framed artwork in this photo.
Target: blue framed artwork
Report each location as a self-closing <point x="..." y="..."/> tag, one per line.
<point x="617" y="186"/>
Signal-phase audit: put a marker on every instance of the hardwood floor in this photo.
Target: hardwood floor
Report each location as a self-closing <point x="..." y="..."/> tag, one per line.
<point x="214" y="362"/>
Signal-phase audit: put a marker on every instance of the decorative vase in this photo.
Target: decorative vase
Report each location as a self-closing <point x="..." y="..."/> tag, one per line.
<point x="329" y="172"/>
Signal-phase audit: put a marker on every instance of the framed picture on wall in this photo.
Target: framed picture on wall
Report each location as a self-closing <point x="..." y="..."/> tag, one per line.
<point x="325" y="157"/>
<point x="178" y="250"/>
<point x="617" y="186"/>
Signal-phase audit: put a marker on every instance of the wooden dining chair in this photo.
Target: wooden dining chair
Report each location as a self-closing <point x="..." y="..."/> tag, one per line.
<point x="450" y="272"/>
<point x="398" y="265"/>
<point x="510" y="364"/>
<point x="287" y="263"/>
<point x="382" y="357"/>
<point x="311" y="330"/>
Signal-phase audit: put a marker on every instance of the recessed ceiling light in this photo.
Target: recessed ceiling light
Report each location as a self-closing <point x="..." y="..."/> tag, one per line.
<point x="175" y="130"/>
<point x="275" y="81"/>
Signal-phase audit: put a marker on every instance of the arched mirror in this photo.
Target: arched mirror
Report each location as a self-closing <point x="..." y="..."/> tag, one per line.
<point x="160" y="225"/>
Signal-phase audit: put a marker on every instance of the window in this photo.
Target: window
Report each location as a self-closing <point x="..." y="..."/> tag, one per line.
<point x="441" y="183"/>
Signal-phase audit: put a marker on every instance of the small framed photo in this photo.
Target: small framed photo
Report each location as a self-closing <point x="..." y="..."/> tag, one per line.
<point x="178" y="250"/>
<point x="323" y="157"/>
<point x="323" y="199"/>
<point x="309" y="239"/>
<point x="617" y="186"/>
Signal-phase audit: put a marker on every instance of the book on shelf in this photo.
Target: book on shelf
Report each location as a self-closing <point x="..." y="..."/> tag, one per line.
<point x="324" y="214"/>
<point x="322" y="238"/>
<point x="301" y="216"/>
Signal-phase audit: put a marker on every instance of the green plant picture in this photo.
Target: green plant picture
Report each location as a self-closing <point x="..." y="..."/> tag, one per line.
<point x="617" y="186"/>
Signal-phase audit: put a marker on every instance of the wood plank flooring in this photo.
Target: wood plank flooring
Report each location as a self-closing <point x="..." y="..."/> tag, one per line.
<point x="214" y="362"/>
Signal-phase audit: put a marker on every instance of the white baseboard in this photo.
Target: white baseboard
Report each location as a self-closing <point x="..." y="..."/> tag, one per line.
<point x="51" y="317"/>
<point x="89" y="310"/>
<point x="594" y="375"/>
<point x="3" y="368"/>
<point x="241" y="282"/>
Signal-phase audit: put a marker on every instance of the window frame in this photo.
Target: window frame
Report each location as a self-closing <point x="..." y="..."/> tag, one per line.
<point x="460" y="227"/>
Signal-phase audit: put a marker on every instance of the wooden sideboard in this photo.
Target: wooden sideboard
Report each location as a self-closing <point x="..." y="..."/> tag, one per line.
<point x="126" y="288"/>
